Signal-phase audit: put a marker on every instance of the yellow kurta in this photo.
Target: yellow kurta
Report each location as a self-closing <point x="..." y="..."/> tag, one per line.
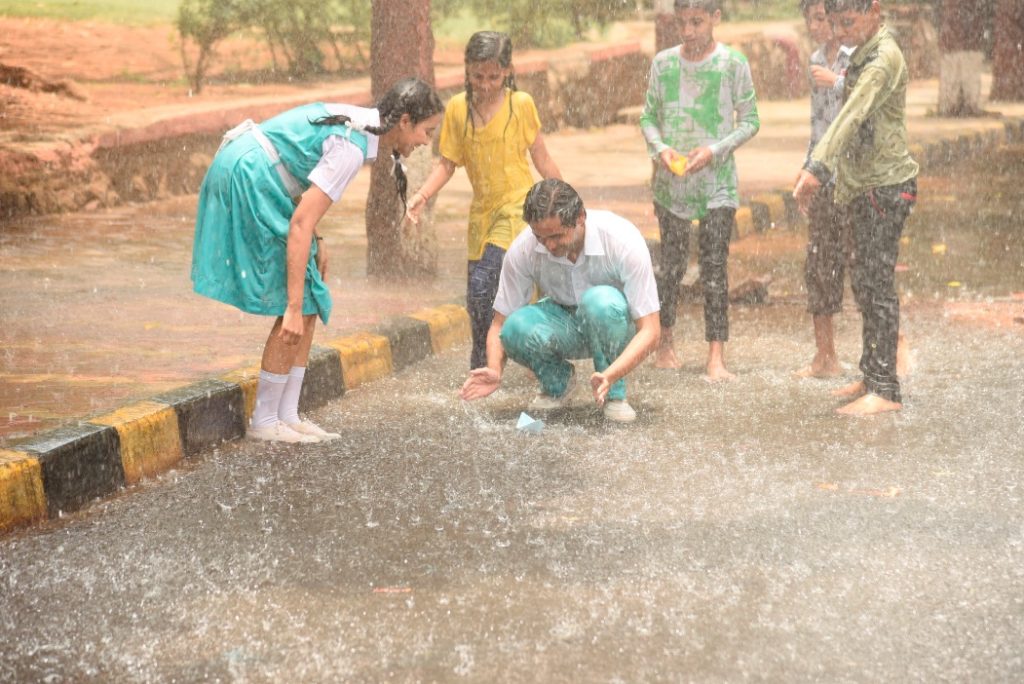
<point x="495" y="160"/>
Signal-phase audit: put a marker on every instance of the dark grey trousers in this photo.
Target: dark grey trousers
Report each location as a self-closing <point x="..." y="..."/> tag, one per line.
<point x="713" y="244"/>
<point x="828" y="253"/>
<point x="877" y="218"/>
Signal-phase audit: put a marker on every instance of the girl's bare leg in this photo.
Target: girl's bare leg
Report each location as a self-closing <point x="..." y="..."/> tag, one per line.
<point x="279" y="357"/>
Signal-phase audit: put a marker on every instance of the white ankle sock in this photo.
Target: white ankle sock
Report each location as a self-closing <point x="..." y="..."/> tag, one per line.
<point x="288" y="410"/>
<point x="268" y="398"/>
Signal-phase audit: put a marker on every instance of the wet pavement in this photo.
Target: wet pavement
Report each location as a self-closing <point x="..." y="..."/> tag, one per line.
<point x="736" y="531"/>
<point x="96" y="308"/>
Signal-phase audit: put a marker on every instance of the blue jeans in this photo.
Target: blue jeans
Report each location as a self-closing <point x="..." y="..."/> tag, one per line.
<point x="544" y="336"/>
<point x="481" y="289"/>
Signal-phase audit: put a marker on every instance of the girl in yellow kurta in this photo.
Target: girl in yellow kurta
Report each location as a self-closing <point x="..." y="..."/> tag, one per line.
<point x="488" y="129"/>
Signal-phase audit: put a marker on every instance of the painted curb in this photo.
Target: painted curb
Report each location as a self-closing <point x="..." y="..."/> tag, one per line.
<point x="63" y="470"/>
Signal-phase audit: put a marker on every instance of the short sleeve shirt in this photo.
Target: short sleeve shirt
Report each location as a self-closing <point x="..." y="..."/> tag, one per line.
<point x="340" y="159"/>
<point x="614" y="253"/>
<point x="494" y="156"/>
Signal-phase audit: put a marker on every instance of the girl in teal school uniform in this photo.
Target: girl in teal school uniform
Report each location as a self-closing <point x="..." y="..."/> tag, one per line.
<point x="256" y="245"/>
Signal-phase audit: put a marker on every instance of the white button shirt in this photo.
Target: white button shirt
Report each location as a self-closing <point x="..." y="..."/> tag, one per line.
<point x="614" y="253"/>
<point x="340" y="159"/>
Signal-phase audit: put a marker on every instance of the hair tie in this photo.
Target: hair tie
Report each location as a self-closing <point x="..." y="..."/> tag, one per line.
<point x="356" y="126"/>
<point x="397" y="164"/>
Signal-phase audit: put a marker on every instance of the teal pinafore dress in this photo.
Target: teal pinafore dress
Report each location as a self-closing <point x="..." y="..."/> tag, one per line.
<point x="240" y="249"/>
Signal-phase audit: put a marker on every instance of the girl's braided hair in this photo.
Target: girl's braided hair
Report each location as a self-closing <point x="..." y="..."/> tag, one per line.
<point x="488" y="46"/>
<point x="410" y="96"/>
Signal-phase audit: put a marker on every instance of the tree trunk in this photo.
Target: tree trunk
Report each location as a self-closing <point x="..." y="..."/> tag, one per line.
<point x="401" y="45"/>
<point x="666" y="34"/>
<point x="1008" y="54"/>
<point x="960" y="41"/>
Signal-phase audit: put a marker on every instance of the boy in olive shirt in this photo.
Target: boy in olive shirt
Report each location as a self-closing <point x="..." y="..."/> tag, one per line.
<point x="866" y="149"/>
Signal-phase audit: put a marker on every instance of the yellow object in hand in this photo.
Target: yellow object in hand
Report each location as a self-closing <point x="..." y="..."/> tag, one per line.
<point x="678" y="166"/>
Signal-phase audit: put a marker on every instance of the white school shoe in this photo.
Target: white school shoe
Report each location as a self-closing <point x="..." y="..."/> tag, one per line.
<point x="619" y="410"/>
<point x="279" y="432"/>
<point x="546" y="402"/>
<point x="308" y="427"/>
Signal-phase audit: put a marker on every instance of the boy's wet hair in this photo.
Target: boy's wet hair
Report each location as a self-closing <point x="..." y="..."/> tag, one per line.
<point x="488" y="46"/>
<point x="552" y="197"/>
<point x="862" y="6"/>
<point x="709" y="6"/>
<point x="805" y="5"/>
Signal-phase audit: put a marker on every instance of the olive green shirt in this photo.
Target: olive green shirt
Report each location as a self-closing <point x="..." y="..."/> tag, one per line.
<point x="866" y="145"/>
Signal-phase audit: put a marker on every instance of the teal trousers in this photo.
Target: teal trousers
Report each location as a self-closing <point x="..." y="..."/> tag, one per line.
<point x="545" y="336"/>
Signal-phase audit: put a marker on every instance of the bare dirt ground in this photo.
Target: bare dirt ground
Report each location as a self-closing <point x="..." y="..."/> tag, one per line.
<point x="115" y="69"/>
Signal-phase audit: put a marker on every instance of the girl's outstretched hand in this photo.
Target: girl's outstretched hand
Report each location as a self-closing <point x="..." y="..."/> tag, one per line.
<point x="414" y="208"/>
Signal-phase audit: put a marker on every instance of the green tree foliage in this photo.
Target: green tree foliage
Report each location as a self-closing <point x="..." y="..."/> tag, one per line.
<point x="300" y="33"/>
<point x="205" y="23"/>
<point x="532" y="23"/>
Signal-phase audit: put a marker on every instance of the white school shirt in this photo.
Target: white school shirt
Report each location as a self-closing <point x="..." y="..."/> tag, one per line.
<point x="340" y="160"/>
<point x="614" y="253"/>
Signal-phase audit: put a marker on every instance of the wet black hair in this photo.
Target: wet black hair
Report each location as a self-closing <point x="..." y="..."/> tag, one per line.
<point x="488" y="46"/>
<point x="709" y="6"/>
<point x="862" y="6"/>
<point x="808" y="4"/>
<point x="410" y="96"/>
<point x="552" y="197"/>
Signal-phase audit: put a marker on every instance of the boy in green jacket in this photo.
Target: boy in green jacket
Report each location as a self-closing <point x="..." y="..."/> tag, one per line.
<point x="876" y="181"/>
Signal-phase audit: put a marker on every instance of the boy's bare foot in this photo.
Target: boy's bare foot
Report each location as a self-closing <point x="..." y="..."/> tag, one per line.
<point x="820" y="368"/>
<point x="716" y="371"/>
<point x="718" y="374"/>
<point x="854" y="389"/>
<point x="665" y="356"/>
<point x="869" y="405"/>
<point x="824" y="364"/>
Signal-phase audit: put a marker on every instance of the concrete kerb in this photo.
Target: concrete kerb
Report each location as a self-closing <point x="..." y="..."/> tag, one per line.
<point x="64" y="469"/>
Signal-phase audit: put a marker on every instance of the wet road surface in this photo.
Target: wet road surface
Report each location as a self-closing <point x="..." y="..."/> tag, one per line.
<point x="737" y="531"/>
<point x="734" y="531"/>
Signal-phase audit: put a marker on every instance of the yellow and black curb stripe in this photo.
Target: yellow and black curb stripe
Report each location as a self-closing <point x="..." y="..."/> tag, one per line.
<point x="64" y="469"/>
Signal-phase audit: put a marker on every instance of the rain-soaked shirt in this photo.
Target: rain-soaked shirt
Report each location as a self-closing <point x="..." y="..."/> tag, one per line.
<point x="826" y="102"/>
<point x="866" y="146"/>
<point x="494" y="156"/>
<point x="614" y="253"/>
<point x="710" y="103"/>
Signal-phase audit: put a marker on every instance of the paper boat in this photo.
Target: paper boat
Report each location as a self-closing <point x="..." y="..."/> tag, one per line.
<point x="528" y="424"/>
